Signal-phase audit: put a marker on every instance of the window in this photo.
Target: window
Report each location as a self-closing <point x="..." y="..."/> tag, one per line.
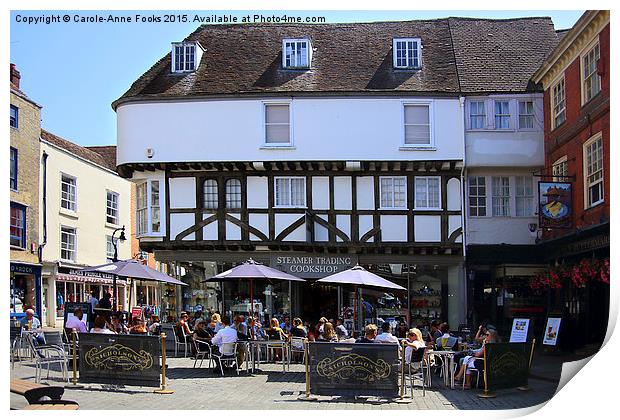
<point x="155" y="215"/>
<point x="560" y="169"/>
<point x="591" y="78"/>
<point x="417" y="125"/>
<point x="524" y="196"/>
<point x="477" y="196"/>
<point x="502" y="115"/>
<point x="526" y="114"/>
<point x="296" y="53"/>
<point x="109" y="248"/>
<point x="477" y="115"/>
<point x="111" y="207"/>
<point x="233" y="194"/>
<point x="393" y="192"/>
<point x="277" y="124"/>
<point x="290" y="192"/>
<point x="142" y="222"/>
<point x="210" y="200"/>
<point x="18" y="225"/>
<point x="13" y="168"/>
<point x="559" y="105"/>
<point x="68" y="192"/>
<point x="184" y="57"/>
<point x="68" y="240"/>
<point x="593" y="171"/>
<point x="427" y="192"/>
<point x="407" y="53"/>
<point x="14" y="116"/>
<point x="500" y="199"/>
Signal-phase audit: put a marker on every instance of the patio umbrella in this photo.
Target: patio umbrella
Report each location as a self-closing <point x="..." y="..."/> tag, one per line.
<point x="134" y="269"/>
<point x="251" y="270"/>
<point x="360" y="277"/>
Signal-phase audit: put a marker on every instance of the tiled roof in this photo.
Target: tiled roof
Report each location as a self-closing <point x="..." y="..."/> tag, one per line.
<point x="500" y="55"/>
<point x="561" y="32"/>
<point x="346" y="58"/>
<point x="78" y="150"/>
<point x="108" y="153"/>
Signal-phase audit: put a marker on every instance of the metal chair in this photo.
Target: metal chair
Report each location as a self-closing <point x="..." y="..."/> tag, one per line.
<point x="16" y="343"/>
<point x="297" y="346"/>
<point x="202" y="353"/>
<point x="418" y="368"/>
<point x="47" y="354"/>
<point x="228" y="354"/>
<point x="477" y="373"/>
<point x="54" y="338"/>
<point x="178" y="342"/>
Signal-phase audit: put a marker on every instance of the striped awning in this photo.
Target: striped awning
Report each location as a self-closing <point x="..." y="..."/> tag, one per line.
<point x="89" y="279"/>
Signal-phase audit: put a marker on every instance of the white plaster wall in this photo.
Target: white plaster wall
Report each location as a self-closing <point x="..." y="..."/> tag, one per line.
<point x="233" y="232"/>
<point x="393" y="228"/>
<point x="210" y="232"/>
<point x="365" y="193"/>
<point x="342" y="193"/>
<point x="260" y="222"/>
<point x="365" y="224"/>
<point x="323" y="129"/>
<point x="285" y="220"/>
<point x="321" y="234"/>
<point x="454" y="222"/>
<point x="258" y="194"/>
<point x="182" y="192"/>
<point x="343" y="222"/>
<point x="427" y="228"/>
<point x="454" y="194"/>
<point x="320" y="192"/>
<point x="179" y="222"/>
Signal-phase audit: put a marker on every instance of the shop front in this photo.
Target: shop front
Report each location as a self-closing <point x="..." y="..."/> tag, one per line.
<point x="26" y="290"/>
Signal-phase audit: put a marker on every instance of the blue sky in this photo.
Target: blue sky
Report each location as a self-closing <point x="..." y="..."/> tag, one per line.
<point x="75" y="70"/>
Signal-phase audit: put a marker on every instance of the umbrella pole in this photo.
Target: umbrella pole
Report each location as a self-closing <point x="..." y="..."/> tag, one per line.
<point x="114" y="292"/>
<point x="251" y="298"/>
<point x="355" y="326"/>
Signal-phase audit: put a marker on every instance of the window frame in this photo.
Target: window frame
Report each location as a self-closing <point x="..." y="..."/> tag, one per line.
<point x="586" y="175"/>
<point x="532" y="115"/>
<point x="496" y="115"/>
<point x="502" y="197"/>
<point x="117" y="209"/>
<point x="75" y="243"/>
<point x="554" y="114"/>
<point x="22" y="239"/>
<point x="185" y="46"/>
<point x="415" y="196"/>
<point x="75" y="194"/>
<point x="418" y="49"/>
<point x="308" y="53"/>
<point x="267" y="144"/>
<point x="583" y="79"/>
<point x="477" y="196"/>
<point x="483" y="115"/>
<point x="393" y="206"/>
<point x="431" y="113"/>
<point x="290" y="192"/>
<point x="109" y="252"/>
<point x="561" y="161"/>
<point x="204" y="194"/>
<point x="15" y="124"/>
<point x="142" y="218"/>
<point x="524" y="196"/>
<point x="14" y="167"/>
<point x="226" y="194"/>
<point x="147" y="184"/>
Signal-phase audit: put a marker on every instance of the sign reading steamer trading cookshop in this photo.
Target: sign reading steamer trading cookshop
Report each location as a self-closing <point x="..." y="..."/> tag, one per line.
<point x="313" y="266"/>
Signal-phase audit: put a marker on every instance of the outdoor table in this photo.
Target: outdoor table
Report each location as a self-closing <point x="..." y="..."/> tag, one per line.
<point x="447" y="357"/>
<point x="254" y="345"/>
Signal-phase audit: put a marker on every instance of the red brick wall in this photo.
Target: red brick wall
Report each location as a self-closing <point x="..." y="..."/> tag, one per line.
<point x="580" y="125"/>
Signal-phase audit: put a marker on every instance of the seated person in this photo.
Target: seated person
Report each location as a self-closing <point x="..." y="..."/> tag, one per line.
<point x="341" y="330"/>
<point x="76" y="321"/>
<point x="240" y="327"/>
<point x="413" y="343"/>
<point x="329" y="333"/>
<point x="298" y="329"/>
<point x="370" y="332"/>
<point x="225" y="335"/>
<point x="468" y="362"/>
<point x="286" y="325"/>
<point x="446" y="341"/>
<point x="100" y="326"/>
<point x="117" y="325"/>
<point x="183" y="331"/>
<point x="274" y="332"/>
<point x="255" y="330"/>
<point x="137" y="326"/>
<point x="216" y="323"/>
<point x="154" y="325"/>
<point x="202" y="335"/>
<point x="386" y="335"/>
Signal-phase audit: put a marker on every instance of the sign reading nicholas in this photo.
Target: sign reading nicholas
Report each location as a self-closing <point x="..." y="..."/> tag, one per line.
<point x="355" y="369"/>
<point x="120" y="359"/>
<point x="313" y="266"/>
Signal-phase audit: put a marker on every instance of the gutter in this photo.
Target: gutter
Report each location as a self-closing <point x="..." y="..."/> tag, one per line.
<point x="44" y="210"/>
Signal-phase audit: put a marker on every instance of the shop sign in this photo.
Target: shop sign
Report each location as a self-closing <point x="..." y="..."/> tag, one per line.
<point x="81" y="273"/>
<point x="353" y="369"/>
<point x="507" y="365"/>
<point x="313" y="266"/>
<point x="25" y="269"/>
<point x="120" y="359"/>
<point x="585" y="245"/>
<point x="555" y="204"/>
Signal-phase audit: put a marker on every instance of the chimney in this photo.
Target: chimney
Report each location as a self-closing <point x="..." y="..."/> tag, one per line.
<point x="15" y="76"/>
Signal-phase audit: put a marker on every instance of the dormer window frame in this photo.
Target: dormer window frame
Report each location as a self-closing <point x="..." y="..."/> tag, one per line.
<point x="196" y="56"/>
<point x="308" y="53"/>
<point x="418" y="48"/>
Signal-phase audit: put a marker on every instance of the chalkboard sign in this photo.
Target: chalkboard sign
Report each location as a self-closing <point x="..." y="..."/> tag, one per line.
<point x="507" y="365"/>
<point x="120" y="359"/>
<point x="350" y="369"/>
<point x="70" y="308"/>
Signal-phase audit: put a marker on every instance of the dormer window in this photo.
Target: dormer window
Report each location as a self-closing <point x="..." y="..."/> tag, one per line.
<point x="407" y="53"/>
<point x="185" y="56"/>
<point x="296" y="53"/>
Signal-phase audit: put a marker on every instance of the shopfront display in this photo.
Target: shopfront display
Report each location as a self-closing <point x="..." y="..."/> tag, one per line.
<point x="25" y="289"/>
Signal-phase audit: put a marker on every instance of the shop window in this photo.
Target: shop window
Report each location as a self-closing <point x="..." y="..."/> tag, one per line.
<point x="18" y="225"/>
<point x="393" y="192"/>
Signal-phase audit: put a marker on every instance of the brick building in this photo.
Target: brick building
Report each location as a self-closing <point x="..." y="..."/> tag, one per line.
<point x="575" y="78"/>
<point x="25" y="127"/>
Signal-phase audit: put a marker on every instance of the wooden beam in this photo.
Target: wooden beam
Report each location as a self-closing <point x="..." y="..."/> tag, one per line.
<point x="229" y="166"/>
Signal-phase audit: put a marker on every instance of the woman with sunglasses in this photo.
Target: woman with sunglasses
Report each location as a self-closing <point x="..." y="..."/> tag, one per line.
<point x="467" y="363"/>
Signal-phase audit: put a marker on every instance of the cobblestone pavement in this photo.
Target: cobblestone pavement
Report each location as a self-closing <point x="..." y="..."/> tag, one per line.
<point x="268" y="389"/>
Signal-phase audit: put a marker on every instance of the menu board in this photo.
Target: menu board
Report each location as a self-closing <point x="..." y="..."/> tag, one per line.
<point x="520" y="327"/>
<point x="551" y="331"/>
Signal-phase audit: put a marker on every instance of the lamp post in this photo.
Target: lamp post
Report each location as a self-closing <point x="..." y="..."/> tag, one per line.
<point x="121" y="238"/>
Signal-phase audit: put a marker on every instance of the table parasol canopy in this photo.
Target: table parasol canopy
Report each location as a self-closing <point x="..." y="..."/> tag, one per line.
<point x="359" y="276"/>
<point x="253" y="270"/>
<point x="134" y="269"/>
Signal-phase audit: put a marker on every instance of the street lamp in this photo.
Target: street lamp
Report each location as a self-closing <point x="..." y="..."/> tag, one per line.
<point x="121" y="238"/>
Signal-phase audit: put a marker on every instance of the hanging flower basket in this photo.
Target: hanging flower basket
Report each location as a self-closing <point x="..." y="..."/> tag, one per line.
<point x="580" y="274"/>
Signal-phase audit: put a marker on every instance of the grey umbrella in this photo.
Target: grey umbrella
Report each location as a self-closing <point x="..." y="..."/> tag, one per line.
<point x="134" y="269"/>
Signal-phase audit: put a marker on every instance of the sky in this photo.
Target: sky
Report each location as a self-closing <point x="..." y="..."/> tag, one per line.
<point x="76" y="70"/>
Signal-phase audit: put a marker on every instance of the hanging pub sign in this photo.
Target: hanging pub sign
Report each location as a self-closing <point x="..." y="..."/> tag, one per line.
<point x="555" y="204"/>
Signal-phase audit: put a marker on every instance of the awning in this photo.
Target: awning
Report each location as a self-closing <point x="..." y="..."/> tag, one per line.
<point x="89" y="279"/>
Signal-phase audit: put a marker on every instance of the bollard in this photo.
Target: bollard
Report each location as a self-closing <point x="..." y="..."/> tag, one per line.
<point x="307" y="397"/>
<point x="401" y="399"/>
<point x="486" y="393"/>
<point x="74" y="345"/>
<point x="163" y="389"/>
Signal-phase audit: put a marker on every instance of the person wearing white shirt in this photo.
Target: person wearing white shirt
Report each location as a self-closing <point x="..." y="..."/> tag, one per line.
<point x="386" y="336"/>
<point x="76" y="321"/>
<point x="224" y="336"/>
